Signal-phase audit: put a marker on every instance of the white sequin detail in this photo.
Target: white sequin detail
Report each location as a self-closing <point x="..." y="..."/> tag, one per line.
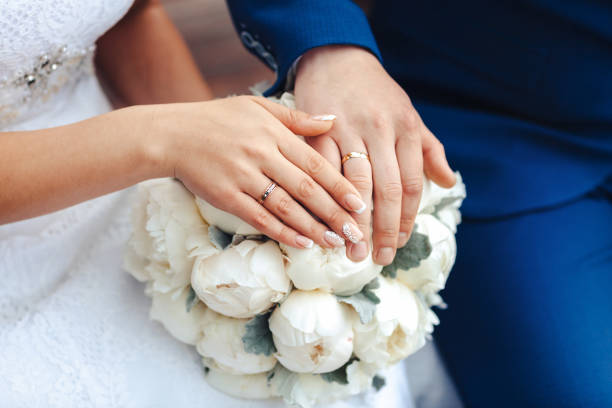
<point x="35" y="86"/>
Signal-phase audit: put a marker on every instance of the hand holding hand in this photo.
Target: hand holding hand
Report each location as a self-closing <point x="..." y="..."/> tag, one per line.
<point x="375" y="116"/>
<point x="229" y="151"/>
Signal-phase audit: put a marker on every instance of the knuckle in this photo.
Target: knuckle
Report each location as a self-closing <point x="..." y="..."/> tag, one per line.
<point x="392" y="191"/>
<point x="260" y="220"/>
<point x="283" y="207"/>
<point x="285" y="234"/>
<point x="314" y="163"/>
<point x="412" y="186"/>
<point x="386" y="233"/>
<point x="306" y="188"/>
<point x="406" y="222"/>
<point x="361" y="181"/>
<point x="293" y="115"/>
<point x="410" y="119"/>
<point x="224" y="196"/>
<point x="439" y="146"/>
<point x="255" y="152"/>
<point x="380" y="122"/>
<point x="335" y="218"/>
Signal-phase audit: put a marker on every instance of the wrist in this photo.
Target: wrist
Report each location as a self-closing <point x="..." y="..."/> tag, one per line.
<point x="150" y="145"/>
<point x="330" y="55"/>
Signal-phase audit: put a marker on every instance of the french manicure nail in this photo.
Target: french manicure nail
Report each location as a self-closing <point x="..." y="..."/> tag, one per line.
<point x="384" y="256"/>
<point x="355" y="203"/>
<point x="304" y="242"/>
<point x="359" y="251"/>
<point x="352" y="232"/>
<point x="324" y="117"/>
<point x="333" y="239"/>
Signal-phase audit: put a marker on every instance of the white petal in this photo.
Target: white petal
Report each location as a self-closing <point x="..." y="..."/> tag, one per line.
<point x="223" y="220"/>
<point x="170" y="310"/>
<point x="254" y="386"/>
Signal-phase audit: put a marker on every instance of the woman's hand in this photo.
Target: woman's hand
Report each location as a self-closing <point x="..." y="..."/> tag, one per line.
<point x="230" y="150"/>
<point x="375" y="116"/>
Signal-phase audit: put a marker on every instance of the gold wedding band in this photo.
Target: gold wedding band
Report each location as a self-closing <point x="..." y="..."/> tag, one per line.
<point x="354" y="155"/>
<point x="266" y="193"/>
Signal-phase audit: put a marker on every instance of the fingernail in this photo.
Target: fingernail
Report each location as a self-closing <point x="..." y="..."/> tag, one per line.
<point x="333" y="239"/>
<point x="384" y="256"/>
<point x="324" y="117"/>
<point x="352" y="232"/>
<point x="304" y="242"/>
<point x="355" y="203"/>
<point x="402" y="238"/>
<point x="359" y="251"/>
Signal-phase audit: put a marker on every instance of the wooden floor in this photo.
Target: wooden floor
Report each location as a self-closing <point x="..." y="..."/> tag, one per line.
<point x="208" y="30"/>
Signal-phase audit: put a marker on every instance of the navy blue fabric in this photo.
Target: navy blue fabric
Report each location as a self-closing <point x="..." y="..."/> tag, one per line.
<point x="520" y="92"/>
<point x="287" y="29"/>
<point x="529" y="322"/>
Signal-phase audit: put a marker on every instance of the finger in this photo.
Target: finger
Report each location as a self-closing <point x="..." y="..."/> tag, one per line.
<point x="322" y="172"/>
<point x="248" y="209"/>
<point x="435" y="164"/>
<point x="298" y="122"/>
<point x="316" y="199"/>
<point x="359" y="172"/>
<point x="387" y="200"/>
<point x="283" y="206"/>
<point x="409" y="155"/>
<point x="327" y="147"/>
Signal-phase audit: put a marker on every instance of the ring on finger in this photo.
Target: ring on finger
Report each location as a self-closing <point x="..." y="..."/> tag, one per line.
<point x="354" y="155"/>
<point x="267" y="192"/>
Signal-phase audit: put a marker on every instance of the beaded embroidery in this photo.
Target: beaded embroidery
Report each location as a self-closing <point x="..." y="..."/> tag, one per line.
<point x="50" y="74"/>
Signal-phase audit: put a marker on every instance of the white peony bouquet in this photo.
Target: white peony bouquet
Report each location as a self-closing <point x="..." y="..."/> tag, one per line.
<point x="307" y="325"/>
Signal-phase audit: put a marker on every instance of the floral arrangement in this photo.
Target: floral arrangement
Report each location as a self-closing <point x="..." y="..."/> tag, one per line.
<point x="269" y="320"/>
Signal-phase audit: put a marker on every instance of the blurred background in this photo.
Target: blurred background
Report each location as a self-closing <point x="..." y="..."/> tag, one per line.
<point x="208" y="30"/>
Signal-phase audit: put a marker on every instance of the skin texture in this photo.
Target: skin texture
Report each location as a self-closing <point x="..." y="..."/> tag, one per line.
<point x="226" y="151"/>
<point x="374" y="116"/>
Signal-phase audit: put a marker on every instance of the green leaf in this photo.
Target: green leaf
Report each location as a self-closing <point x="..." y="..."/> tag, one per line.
<point x="191" y="301"/>
<point x="219" y="238"/>
<point x="378" y="382"/>
<point x="339" y="375"/>
<point x="364" y="302"/>
<point x="258" y="337"/>
<point x="237" y="238"/>
<point x="410" y="255"/>
<point x="446" y="201"/>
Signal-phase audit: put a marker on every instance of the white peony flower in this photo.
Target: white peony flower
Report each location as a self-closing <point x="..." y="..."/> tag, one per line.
<point x="170" y="309"/>
<point x="312" y="332"/>
<point x="243" y="280"/>
<point x="164" y="217"/>
<point x="399" y="328"/>
<point x="252" y="386"/>
<point x="444" y="203"/>
<point x="223" y="349"/>
<point x="329" y="269"/>
<point x="431" y="274"/>
<point x="225" y="221"/>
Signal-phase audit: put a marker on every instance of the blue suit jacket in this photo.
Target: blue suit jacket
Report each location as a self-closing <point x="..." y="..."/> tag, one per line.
<point x="519" y="92"/>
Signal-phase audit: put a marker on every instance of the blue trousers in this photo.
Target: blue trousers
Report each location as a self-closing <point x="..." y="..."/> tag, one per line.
<point x="529" y="322"/>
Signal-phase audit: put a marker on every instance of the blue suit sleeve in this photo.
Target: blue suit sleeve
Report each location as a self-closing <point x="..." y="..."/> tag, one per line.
<point x="280" y="31"/>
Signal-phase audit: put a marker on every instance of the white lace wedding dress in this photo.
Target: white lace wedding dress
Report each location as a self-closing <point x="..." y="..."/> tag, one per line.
<point x="74" y="327"/>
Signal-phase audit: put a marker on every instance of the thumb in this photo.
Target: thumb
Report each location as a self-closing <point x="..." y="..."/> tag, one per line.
<point x="300" y="123"/>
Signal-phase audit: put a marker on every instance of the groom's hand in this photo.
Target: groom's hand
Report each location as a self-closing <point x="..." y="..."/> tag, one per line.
<point x="374" y="116"/>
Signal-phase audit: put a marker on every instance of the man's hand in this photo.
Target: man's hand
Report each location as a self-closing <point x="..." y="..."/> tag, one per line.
<point x="374" y="116"/>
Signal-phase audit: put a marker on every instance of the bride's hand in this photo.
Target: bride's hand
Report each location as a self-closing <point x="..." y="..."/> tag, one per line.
<point x="229" y="151"/>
